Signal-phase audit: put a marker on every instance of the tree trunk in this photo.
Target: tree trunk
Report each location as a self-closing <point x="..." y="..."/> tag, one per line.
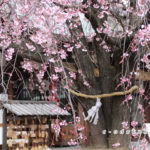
<point x="110" y="114"/>
<point x="120" y="113"/>
<point x="96" y="136"/>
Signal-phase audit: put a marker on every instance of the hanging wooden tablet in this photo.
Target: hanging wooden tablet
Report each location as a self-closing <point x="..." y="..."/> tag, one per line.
<point x="45" y="140"/>
<point x="39" y="147"/>
<point x="14" y="141"/>
<point x="25" y="148"/>
<point x="26" y="121"/>
<point x="36" y="147"/>
<point x="44" y="120"/>
<point x="24" y="134"/>
<point x="33" y="122"/>
<point x="9" y="143"/>
<point x="10" y="122"/>
<point x="42" y="127"/>
<point x="14" y="136"/>
<point x="45" y="146"/>
<point x="32" y="134"/>
<point x="17" y="148"/>
<point x="43" y="134"/>
<point x="32" y="148"/>
<point x="18" y="122"/>
<point x="46" y="134"/>
<point x="21" y="143"/>
<point x="9" y="133"/>
<point x="35" y="141"/>
<point x="40" y="135"/>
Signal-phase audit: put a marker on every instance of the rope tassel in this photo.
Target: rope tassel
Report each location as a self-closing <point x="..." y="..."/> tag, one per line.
<point x="93" y="112"/>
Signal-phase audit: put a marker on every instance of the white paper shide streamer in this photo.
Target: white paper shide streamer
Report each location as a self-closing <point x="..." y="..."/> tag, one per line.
<point x="93" y="112"/>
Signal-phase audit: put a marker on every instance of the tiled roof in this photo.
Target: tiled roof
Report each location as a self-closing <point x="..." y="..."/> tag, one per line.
<point x="25" y="108"/>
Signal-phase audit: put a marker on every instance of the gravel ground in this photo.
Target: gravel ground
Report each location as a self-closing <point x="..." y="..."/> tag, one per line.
<point x="74" y="148"/>
<point x="64" y="148"/>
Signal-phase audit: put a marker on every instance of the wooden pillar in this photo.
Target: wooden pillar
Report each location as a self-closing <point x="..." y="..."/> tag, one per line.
<point x="4" y="146"/>
<point x="49" y="132"/>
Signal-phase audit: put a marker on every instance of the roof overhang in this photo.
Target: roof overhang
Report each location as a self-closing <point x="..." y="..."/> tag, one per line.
<point x="34" y="108"/>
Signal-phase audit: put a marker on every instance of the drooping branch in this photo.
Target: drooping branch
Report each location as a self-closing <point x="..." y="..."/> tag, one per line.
<point x="134" y="88"/>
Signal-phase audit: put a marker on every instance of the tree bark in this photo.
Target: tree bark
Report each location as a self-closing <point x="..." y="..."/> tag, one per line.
<point x="120" y="113"/>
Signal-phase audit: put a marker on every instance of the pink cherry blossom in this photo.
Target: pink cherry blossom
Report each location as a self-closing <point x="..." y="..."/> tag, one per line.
<point x="101" y="15"/>
<point x="140" y="107"/>
<point x="143" y="144"/>
<point x="96" y="6"/>
<point x="125" y="124"/>
<point x="63" y="123"/>
<point x="58" y="69"/>
<point x="134" y="123"/>
<point x="63" y="54"/>
<point x="40" y="75"/>
<point x="66" y="45"/>
<point x="27" y="65"/>
<point x="80" y="71"/>
<point x="72" y="75"/>
<point x="52" y="60"/>
<point x="66" y="87"/>
<point x="141" y="91"/>
<point x="86" y="83"/>
<point x="56" y="128"/>
<point x="145" y="59"/>
<point x="78" y="45"/>
<point x="72" y="142"/>
<point x="99" y="30"/>
<point x="116" y="145"/>
<point x="55" y="77"/>
<point x="128" y="98"/>
<point x="101" y="2"/>
<point x="80" y="136"/>
<point x="70" y="49"/>
<point x="141" y="3"/>
<point x="77" y="119"/>
<point x="123" y="80"/>
<point x="135" y="135"/>
<point x="9" y="54"/>
<point x="47" y="51"/>
<point x="30" y="47"/>
<point x="134" y="148"/>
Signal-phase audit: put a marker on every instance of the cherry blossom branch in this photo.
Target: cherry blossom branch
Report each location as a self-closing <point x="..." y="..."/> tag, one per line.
<point x="133" y="88"/>
<point x="13" y="69"/>
<point x="2" y="72"/>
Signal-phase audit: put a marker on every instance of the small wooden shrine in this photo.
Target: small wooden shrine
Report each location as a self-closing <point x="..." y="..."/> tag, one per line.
<point x="27" y="124"/>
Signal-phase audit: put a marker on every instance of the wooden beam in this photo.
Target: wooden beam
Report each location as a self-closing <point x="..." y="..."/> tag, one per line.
<point x="49" y="132"/>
